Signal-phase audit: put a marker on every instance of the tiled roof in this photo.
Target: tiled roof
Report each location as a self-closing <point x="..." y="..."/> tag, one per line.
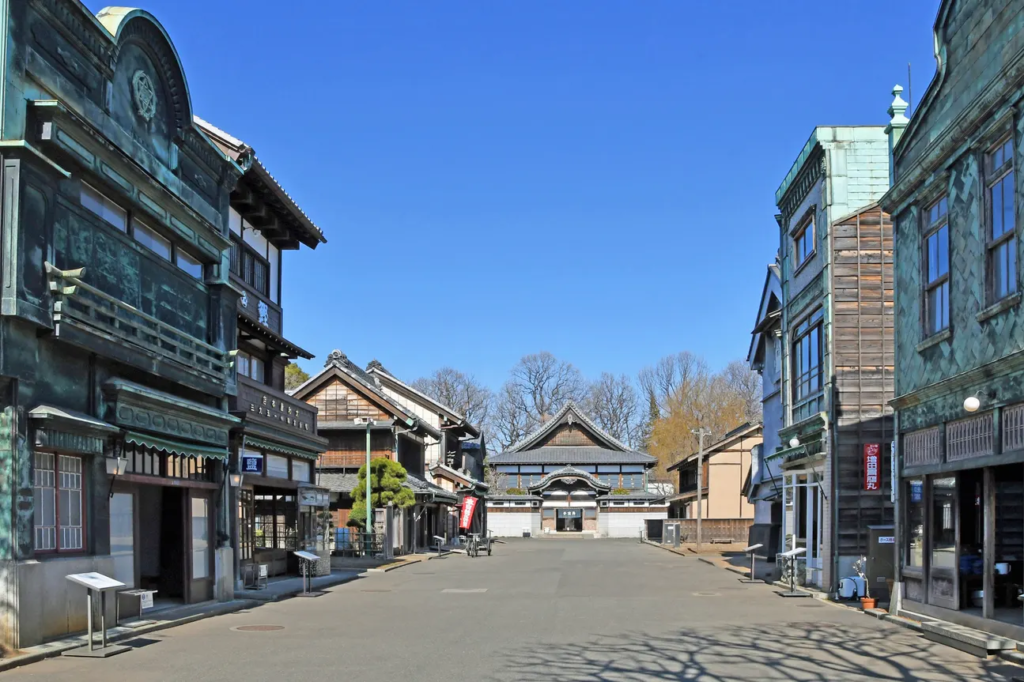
<point x="638" y="496"/>
<point x="569" y="411"/>
<point x="502" y="497"/>
<point x="566" y="454"/>
<point x="422" y="487"/>
<point x="339" y="482"/>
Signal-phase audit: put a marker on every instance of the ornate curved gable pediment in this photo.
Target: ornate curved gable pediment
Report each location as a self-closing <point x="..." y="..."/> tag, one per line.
<point x="149" y="95"/>
<point x="570" y="476"/>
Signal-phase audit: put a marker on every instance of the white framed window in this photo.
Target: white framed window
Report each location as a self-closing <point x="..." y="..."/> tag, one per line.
<point x="58" y="514"/>
<point x="936" y="264"/>
<point x="106" y="209"/>
<point x="277" y="466"/>
<point x="250" y="366"/>
<point x="151" y="240"/>
<point x="1002" y="223"/>
<point x="300" y="470"/>
<point x="803" y="243"/>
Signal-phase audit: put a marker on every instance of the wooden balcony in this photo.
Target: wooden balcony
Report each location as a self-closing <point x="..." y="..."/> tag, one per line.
<point x="81" y="310"/>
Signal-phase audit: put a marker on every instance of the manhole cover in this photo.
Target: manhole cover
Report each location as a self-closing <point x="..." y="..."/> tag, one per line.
<point x="258" y="628"/>
<point x="706" y="594"/>
<point x="374" y="590"/>
<point x="811" y="606"/>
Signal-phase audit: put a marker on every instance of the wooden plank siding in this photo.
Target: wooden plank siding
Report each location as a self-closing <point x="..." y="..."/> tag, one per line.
<point x="863" y="363"/>
<point x="567" y="434"/>
<point x="337" y="402"/>
<point x="348" y="448"/>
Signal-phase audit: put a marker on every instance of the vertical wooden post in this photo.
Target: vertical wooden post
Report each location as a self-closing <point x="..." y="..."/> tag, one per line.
<point x="989" y="540"/>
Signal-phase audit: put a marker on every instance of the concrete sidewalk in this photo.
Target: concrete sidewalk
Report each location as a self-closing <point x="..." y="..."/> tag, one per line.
<point x="244" y="599"/>
<point x="279" y="588"/>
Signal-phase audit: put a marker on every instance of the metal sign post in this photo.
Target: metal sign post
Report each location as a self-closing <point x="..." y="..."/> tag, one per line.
<point x="789" y="573"/>
<point x="96" y="583"/>
<point x="752" y="551"/>
<point x="307" y="560"/>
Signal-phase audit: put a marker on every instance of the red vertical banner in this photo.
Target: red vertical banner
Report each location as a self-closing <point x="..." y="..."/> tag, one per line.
<point x="872" y="466"/>
<point x="466" y="517"/>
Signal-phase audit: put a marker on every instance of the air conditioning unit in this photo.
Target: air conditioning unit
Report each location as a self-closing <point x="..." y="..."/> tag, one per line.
<point x="851" y="588"/>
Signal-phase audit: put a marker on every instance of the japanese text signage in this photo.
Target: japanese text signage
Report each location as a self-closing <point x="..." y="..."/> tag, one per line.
<point x="271" y="408"/>
<point x="872" y="466"/>
<point x="468" y="507"/>
<point x="252" y="462"/>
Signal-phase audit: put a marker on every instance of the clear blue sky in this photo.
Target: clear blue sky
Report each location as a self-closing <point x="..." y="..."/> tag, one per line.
<point x="595" y="178"/>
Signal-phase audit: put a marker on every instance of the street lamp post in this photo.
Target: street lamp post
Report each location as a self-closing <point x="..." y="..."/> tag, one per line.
<point x="369" y="490"/>
<point x="700" y="433"/>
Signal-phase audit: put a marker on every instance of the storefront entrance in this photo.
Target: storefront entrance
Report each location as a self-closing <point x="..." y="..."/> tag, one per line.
<point x="569" y="520"/>
<point x="965" y="541"/>
<point x="160" y="539"/>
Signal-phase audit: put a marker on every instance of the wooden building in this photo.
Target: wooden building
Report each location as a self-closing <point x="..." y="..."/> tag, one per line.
<point x="725" y="473"/>
<point x="116" y="320"/>
<point x="447" y="464"/>
<point x="956" y="201"/>
<point x="343" y="394"/>
<point x="275" y="445"/>
<point x="569" y="476"/>
<point x="837" y="331"/>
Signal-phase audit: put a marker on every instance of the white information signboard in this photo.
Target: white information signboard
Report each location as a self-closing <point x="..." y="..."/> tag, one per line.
<point x="308" y="556"/>
<point x="95" y="581"/>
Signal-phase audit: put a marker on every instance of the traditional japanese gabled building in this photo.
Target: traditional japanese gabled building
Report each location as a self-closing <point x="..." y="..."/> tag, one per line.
<point x="116" y="319"/>
<point x="345" y="397"/>
<point x="275" y="445"/>
<point x="447" y="464"/>
<point x="956" y="200"/>
<point x="569" y="476"/>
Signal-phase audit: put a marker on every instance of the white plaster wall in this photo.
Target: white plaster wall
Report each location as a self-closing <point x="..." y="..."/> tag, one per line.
<point x="628" y="525"/>
<point x="432" y="451"/>
<point x="511" y="524"/>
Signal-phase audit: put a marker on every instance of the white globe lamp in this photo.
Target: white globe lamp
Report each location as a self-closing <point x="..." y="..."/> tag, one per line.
<point x="972" y="404"/>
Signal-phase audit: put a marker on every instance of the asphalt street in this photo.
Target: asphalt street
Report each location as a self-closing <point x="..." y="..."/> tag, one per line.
<point x="542" y="609"/>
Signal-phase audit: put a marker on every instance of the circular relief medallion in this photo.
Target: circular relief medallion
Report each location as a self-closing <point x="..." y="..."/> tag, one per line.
<point x="144" y="94"/>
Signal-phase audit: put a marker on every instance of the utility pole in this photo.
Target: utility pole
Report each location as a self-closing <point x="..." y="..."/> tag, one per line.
<point x="700" y="433"/>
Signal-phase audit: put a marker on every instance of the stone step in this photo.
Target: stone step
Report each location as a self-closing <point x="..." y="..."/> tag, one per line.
<point x="975" y="642"/>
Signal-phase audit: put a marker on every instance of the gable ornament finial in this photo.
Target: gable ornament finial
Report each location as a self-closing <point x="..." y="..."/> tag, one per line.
<point x="336" y="358"/>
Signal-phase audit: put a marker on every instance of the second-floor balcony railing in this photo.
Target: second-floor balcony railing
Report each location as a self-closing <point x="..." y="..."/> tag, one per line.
<point x="86" y="308"/>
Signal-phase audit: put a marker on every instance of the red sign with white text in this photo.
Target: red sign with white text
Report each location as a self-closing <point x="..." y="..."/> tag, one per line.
<point x="872" y="466"/>
<point x="466" y="518"/>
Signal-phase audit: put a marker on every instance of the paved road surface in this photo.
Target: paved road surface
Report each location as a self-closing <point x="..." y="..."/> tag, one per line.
<point x="552" y="610"/>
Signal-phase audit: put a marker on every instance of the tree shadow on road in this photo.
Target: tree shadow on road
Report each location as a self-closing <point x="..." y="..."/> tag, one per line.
<point x="812" y="652"/>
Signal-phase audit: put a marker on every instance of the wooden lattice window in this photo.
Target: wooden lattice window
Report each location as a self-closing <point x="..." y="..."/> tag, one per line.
<point x="1013" y="427"/>
<point x="971" y="437"/>
<point x="922" y="447"/>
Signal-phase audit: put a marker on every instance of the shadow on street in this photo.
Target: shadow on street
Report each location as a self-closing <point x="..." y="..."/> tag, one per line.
<point x="814" y="652"/>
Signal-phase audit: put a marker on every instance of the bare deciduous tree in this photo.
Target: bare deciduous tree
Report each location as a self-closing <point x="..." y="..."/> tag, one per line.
<point x="747" y="384"/>
<point x="613" y="405"/>
<point x="545" y="384"/>
<point x="683" y="371"/>
<point x="539" y="385"/>
<point x="511" y="417"/>
<point x="460" y="392"/>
